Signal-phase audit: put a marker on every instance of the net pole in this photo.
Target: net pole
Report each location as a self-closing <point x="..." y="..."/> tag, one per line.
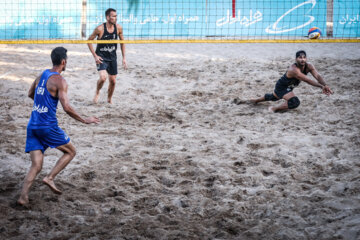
<point x="83" y="18"/>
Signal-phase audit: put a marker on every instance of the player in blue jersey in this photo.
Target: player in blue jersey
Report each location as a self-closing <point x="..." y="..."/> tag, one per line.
<point x="43" y="130"/>
<point x="105" y="54"/>
<point x="294" y="75"/>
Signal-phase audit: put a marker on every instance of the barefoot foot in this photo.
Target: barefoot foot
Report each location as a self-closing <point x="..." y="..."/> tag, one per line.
<point x="96" y="98"/>
<point x="23" y="201"/>
<point x="271" y="109"/>
<point x="238" y="101"/>
<point x="51" y="185"/>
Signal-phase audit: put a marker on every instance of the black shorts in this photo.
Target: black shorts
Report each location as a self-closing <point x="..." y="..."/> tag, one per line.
<point x="109" y="66"/>
<point x="281" y="90"/>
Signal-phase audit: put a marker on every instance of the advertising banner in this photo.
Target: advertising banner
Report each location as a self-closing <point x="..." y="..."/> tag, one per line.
<point x="155" y="19"/>
<point x="52" y="19"/>
<point x="346" y="18"/>
<point x="200" y="18"/>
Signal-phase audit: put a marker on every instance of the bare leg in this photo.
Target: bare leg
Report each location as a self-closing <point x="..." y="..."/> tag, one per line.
<point x="37" y="158"/>
<point x="257" y="100"/>
<point x="99" y="85"/>
<point x="112" y="82"/>
<point x="69" y="153"/>
<point x="283" y="106"/>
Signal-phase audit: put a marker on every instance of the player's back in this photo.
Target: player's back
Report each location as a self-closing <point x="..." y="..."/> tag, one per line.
<point x="44" y="109"/>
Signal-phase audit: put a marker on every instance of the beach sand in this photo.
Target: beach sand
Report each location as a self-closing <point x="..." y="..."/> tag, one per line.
<point x="175" y="158"/>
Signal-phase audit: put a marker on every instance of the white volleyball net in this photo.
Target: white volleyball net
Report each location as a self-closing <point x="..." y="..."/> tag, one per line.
<point x="42" y="21"/>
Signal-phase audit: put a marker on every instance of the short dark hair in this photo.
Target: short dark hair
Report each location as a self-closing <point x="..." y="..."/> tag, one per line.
<point x="57" y="55"/>
<point x="298" y="53"/>
<point x="108" y="11"/>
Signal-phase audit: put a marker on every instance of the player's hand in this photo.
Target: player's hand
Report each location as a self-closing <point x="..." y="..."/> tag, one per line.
<point x="124" y="64"/>
<point x="92" y="120"/>
<point x="98" y="59"/>
<point x="326" y="90"/>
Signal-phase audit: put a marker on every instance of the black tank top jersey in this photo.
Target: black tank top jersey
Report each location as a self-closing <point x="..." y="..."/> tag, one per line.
<point x="108" y="50"/>
<point x="291" y="82"/>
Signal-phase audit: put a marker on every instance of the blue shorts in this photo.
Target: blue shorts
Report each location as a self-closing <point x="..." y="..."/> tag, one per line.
<point x="109" y="66"/>
<point x="41" y="139"/>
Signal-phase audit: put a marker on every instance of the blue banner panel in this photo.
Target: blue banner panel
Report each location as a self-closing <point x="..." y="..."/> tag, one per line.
<point x="51" y="19"/>
<point x="200" y="18"/>
<point x="268" y="18"/>
<point x="147" y="19"/>
<point x="346" y="18"/>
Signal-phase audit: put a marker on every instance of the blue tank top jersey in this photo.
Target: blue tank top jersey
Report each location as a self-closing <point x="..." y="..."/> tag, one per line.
<point x="44" y="109"/>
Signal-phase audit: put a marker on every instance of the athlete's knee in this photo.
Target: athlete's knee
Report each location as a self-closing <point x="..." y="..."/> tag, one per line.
<point x="37" y="167"/>
<point x="112" y="79"/>
<point x="293" y="102"/>
<point x="72" y="151"/>
<point x="102" y="78"/>
<point x="270" y="97"/>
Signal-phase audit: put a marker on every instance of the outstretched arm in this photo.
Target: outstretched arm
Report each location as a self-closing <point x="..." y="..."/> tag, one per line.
<point x="122" y="46"/>
<point x="302" y="77"/>
<point x="62" y="94"/>
<point x="318" y="77"/>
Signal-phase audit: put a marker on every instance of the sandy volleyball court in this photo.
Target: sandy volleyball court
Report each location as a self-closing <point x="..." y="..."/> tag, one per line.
<point x="175" y="158"/>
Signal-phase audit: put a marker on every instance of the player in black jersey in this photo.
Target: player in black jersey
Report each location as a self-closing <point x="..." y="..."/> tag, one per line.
<point x="105" y="54"/>
<point x="294" y="75"/>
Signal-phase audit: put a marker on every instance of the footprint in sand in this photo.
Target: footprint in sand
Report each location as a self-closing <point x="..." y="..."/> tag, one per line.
<point x="89" y="176"/>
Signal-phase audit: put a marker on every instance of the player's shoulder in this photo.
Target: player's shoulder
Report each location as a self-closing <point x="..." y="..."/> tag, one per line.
<point x="293" y="67"/>
<point x="58" y="80"/>
<point x="100" y="28"/>
<point x="119" y="27"/>
<point x="38" y="78"/>
<point x="310" y="66"/>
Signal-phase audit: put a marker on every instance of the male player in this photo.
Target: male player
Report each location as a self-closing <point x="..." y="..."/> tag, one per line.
<point x="284" y="86"/>
<point x="43" y="130"/>
<point x="105" y="54"/>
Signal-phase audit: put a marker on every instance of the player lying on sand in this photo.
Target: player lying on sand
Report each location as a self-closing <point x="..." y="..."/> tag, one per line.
<point x="43" y="130"/>
<point x="284" y="86"/>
